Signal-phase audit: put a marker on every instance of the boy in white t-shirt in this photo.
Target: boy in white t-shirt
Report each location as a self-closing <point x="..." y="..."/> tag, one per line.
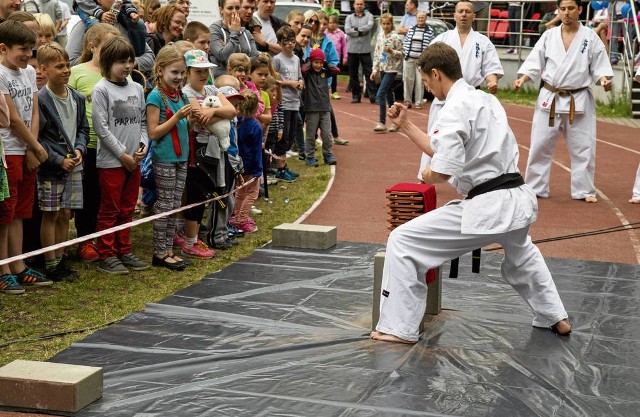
<point x="22" y="149"/>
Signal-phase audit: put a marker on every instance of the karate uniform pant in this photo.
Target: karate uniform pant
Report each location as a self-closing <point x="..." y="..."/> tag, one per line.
<point x="580" y="138"/>
<point x="636" y="186"/>
<point x="434" y="238"/>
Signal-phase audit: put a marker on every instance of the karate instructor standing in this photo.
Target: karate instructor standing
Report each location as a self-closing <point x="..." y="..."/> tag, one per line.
<point x="568" y="58"/>
<point x="471" y="142"/>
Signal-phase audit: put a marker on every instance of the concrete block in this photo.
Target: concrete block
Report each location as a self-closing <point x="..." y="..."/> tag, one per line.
<point x="306" y="236"/>
<point x="434" y="293"/>
<point x="49" y="386"/>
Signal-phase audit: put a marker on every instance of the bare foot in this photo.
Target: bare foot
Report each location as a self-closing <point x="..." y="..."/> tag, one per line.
<point x="384" y="337"/>
<point x="634" y="200"/>
<point x="562" y="328"/>
<point x="590" y="199"/>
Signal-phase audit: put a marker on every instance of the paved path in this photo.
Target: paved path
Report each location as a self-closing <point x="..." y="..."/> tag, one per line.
<point x="372" y="162"/>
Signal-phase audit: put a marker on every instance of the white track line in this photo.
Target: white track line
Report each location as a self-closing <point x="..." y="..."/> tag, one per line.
<point x="307" y="213"/>
<point x="635" y="242"/>
<point x="615" y="145"/>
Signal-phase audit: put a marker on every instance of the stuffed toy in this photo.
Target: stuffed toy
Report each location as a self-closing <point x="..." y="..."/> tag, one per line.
<point x="220" y="128"/>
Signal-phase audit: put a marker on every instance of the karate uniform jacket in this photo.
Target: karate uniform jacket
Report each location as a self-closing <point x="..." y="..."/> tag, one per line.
<point x="584" y="63"/>
<point x="478" y="57"/>
<point x="472" y="141"/>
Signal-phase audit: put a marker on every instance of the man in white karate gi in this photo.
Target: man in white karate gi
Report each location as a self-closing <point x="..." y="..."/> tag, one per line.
<point x="471" y="141"/>
<point x="478" y="57"/>
<point x="568" y="58"/>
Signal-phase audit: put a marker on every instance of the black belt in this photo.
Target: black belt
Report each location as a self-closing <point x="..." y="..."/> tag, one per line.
<point x="501" y="182"/>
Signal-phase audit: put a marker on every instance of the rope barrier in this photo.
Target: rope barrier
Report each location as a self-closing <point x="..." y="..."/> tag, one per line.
<point x="621" y="228"/>
<point x="119" y="227"/>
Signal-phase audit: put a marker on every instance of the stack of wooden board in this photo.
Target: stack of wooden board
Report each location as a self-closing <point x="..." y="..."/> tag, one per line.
<point x="403" y="206"/>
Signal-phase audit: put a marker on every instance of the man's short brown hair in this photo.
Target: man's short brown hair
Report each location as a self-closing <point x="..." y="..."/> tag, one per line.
<point x="441" y="56"/>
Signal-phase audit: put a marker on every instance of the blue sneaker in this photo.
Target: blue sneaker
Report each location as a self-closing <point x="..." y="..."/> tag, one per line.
<point x="312" y="162"/>
<point x="293" y="174"/>
<point x="9" y="285"/>
<point x="329" y="159"/>
<point x="285" y="176"/>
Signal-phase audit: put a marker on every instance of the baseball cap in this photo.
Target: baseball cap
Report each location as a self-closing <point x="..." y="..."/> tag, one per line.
<point x="197" y="59"/>
<point x="230" y="92"/>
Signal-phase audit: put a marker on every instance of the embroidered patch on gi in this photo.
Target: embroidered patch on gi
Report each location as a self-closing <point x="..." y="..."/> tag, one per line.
<point x="585" y="44"/>
<point x="385" y="293"/>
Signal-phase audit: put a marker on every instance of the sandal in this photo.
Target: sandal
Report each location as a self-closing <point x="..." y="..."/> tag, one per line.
<point x="173" y="266"/>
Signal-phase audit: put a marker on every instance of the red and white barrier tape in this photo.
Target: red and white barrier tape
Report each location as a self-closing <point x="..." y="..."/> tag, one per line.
<point x="119" y="227"/>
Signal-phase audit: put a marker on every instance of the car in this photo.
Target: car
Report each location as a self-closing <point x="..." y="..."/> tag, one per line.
<point x="284" y="7"/>
<point x="438" y="26"/>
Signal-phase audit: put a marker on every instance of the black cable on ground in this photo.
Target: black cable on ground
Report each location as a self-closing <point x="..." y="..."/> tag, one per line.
<point x="621" y="228"/>
<point x="54" y="335"/>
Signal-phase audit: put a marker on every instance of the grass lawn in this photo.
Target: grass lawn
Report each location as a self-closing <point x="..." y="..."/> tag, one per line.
<point x="618" y="106"/>
<point x="44" y="321"/>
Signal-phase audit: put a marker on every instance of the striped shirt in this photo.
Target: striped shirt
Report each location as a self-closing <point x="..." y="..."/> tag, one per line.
<point x="416" y="40"/>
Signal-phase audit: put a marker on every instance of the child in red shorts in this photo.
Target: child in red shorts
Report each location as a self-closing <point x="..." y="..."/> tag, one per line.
<point x="22" y="150"/>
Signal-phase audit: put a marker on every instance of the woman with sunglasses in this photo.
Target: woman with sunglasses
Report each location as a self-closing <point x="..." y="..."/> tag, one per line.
<point x="228" y="36"/>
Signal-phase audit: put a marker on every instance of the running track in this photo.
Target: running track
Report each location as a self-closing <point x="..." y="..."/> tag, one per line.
<point x="372" y="162"/>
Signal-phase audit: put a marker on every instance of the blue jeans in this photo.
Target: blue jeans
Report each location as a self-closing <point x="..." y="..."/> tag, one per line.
<point x="88" y="20"/>
<point x="385" y="94"/>
<point x="136" y="32"/>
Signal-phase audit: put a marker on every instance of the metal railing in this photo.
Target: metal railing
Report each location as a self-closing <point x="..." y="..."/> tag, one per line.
<point x="527" y="37"/>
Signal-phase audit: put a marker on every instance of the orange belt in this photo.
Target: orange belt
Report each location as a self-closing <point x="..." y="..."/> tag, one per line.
<point x="562" y="92"/>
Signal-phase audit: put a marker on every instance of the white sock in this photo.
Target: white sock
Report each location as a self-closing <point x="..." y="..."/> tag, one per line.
<point x="190" y="241"/>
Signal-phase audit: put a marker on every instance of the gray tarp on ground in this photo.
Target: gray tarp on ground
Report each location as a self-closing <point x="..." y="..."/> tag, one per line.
<point x="284" y="333"/>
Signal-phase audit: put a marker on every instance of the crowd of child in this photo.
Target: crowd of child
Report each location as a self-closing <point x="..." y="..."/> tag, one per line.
<point x="73" y="139"/>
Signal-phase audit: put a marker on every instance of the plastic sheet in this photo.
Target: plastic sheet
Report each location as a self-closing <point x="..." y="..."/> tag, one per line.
<point x="285" y="333"/>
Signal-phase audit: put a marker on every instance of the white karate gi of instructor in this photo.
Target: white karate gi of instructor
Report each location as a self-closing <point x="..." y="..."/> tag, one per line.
<point x="470" y="141"/>
<point x="568" y="58"/>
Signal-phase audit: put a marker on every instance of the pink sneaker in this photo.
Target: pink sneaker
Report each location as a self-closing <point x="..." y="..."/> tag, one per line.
<point x="199" y="250"/>
<point x="247" y="227"/>
<point x="179" y="239"/>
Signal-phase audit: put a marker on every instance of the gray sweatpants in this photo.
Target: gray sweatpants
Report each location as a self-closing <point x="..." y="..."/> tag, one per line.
<point x="323" y="120"/>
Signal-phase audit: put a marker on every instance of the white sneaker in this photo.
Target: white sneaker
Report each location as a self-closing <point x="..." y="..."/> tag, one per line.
<point x="255" y="210"/>
<point x="291" y="153"/>
<point x="380" y="128"/>
<point x="393" y="128"/>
